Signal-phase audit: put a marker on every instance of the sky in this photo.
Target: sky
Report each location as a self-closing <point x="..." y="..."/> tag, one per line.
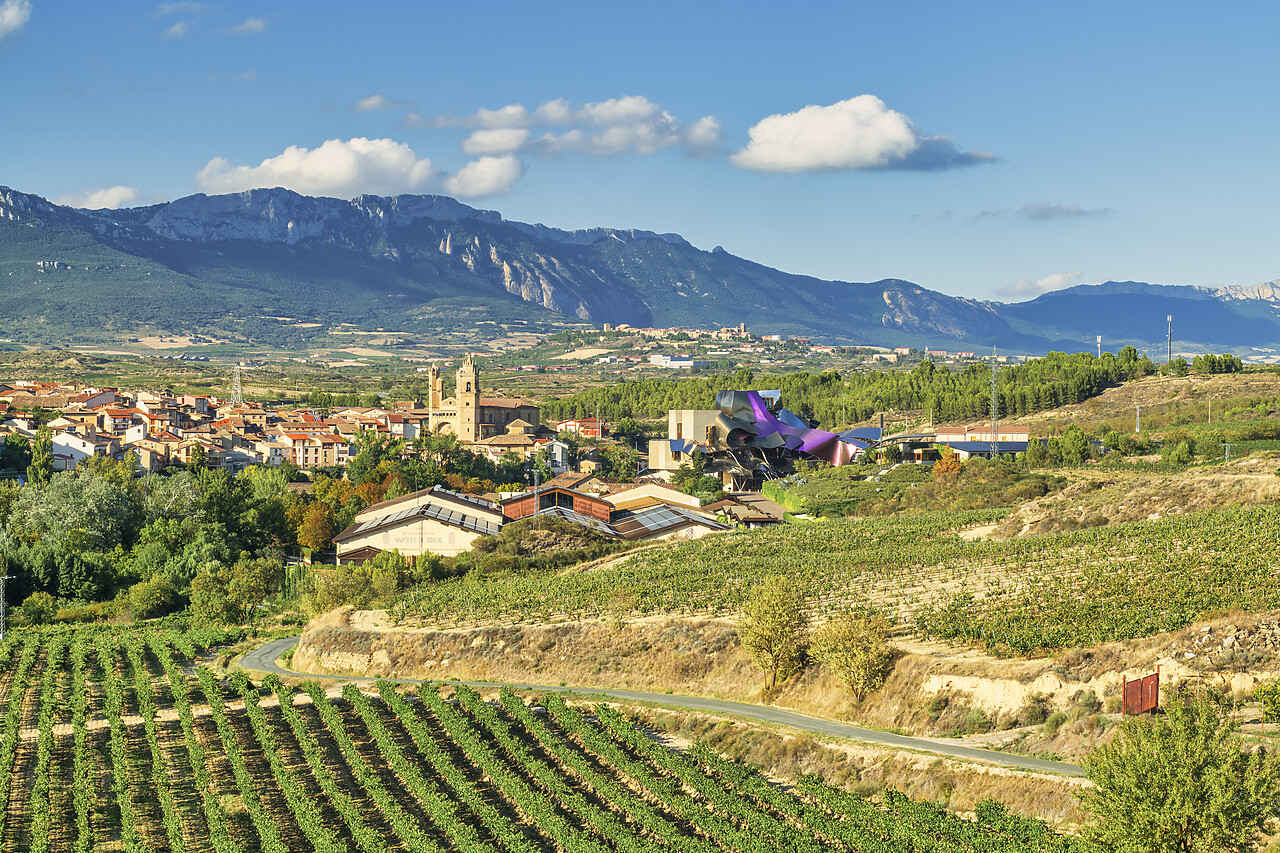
<point x="990" y="150"/>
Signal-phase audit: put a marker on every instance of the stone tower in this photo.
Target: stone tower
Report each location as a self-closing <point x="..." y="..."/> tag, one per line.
<point x="436" y="385"/>
<point x="468" y="397"/>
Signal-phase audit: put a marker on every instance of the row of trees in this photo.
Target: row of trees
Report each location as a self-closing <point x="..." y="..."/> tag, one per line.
<point x="775" y="631"/>
<point x="833" y="399"/>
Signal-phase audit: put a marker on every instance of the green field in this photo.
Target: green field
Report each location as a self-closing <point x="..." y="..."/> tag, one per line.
<point x="1075" y="588"/>
<point x="109" y="739"/>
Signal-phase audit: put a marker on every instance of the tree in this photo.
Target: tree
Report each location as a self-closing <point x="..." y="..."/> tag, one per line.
<point x="1075" y="446"/>
<point x="949" y="466"/>
<point x="1037" y="455"/>
<point x="198" y="459"/>
<point x="855" y="650"/>
<point x="774" y="628"/>
<point x="1180" y="783"/>
<point x="316" y="531"/>
<point x="40" y="471"/>
<point x="16" y="455"/>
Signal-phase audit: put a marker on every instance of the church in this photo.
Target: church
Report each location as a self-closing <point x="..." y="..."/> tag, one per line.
<point x="467" y="415"/>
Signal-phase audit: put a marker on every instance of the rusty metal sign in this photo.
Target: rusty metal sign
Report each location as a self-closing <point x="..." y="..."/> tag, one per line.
<point x="1142" y="694"/>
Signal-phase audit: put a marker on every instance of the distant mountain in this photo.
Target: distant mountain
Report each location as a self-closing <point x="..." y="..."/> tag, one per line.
<point x="1205" y="319"/>
<point x="275" y="267"/>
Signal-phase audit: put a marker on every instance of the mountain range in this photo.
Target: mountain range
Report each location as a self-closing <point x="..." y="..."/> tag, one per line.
<point x="273" y="267"/>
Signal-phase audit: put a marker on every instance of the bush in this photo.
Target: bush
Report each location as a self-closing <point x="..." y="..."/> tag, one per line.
<point x="1114" y="705"/>
<point x="977" y="722"/>
<point x="1034" y="710"/>
<point x="1055" y="721"/>
<point x="39" y="609"/>
<point x="1088" y="703"/>
<point x="1269" y="696"/>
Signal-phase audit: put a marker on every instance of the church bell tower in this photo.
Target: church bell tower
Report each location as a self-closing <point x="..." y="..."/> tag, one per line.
<point x="468" y="397"/>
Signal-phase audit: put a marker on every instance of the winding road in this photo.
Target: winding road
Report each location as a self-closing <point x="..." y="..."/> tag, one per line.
<point x="263" y="659"/>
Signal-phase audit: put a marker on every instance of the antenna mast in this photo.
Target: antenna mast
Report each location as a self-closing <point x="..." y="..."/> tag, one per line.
<point x="236" y="397"/>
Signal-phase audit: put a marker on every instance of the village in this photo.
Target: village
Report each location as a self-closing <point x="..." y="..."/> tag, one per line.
<point x="562" y="463"/>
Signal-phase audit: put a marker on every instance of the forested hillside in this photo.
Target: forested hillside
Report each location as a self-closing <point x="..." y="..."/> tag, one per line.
<point x="834" y="399"/>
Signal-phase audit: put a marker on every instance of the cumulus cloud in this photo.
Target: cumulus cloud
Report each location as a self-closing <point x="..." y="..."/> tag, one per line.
<point x="337" y="168"/>
<point x="1045" y="210"/>
<point x="1026" y="288"/>
<point x="631" y="124"/>
<point x="250" y="25"/>
<point x="485" y="176"/>
<point x="503" y="140"/>
<point x="857" y="133"/>
<point x="97" y="199"/>
<point x="177" y="31"/>
<point x="14" y="15"/>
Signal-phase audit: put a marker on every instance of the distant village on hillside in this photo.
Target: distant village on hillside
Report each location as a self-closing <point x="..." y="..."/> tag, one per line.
<point x="163" y="430"/>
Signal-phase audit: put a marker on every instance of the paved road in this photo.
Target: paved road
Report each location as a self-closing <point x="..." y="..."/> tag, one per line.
<point x="263" y="659"/>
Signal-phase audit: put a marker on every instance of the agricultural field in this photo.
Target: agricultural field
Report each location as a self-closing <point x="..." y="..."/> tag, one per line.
<point x="115" y="738"/>
<point x="1072" y="588"/>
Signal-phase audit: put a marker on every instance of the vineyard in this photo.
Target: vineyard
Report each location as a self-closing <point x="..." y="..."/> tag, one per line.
<point x="1076" y="588"/>
<point x="116" y="739"/>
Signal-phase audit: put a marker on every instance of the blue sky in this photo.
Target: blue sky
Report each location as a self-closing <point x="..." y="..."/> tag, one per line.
<point x="991" y="151"/>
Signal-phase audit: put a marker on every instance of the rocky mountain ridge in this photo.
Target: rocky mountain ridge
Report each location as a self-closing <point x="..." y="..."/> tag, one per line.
<point x="420" y="262"/>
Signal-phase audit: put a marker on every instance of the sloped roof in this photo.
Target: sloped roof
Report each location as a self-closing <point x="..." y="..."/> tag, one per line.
<point x="450" y="515"/>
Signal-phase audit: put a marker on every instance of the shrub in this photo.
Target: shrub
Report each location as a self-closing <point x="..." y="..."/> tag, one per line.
<point x="1114" y="705"/>
<point x="1269" y="696"/>
<point x="1055" y="721"/>
<point x="1088" y="703"/>
<point x="976" y="722"/>
<point x="1034" y="710"/>
<point x="38" y="609"/>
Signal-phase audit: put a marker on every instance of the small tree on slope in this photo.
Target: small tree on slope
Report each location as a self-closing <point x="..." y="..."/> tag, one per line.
<point x="774" y="628"/>
<point x="1181" y="783"/>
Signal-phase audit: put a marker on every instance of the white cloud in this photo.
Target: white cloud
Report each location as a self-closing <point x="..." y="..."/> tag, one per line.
<point x="704" y="136"/>
<point x="503" y="140"/>
<point x="1025" y="288"/>
<point x="336" y="168"/>
<point x="112" y="197"/>
<point x="14" y="15"/>
<point x="176" y="31"/>
<point x="857" y="133"/>
<point x="631" y="124"/>
<point x="485" y="176"/>
<point x="250" y="25"/>
<point x="375" y="103"/>
<point x="627" y="110"/>
<point x="512" y="115"/>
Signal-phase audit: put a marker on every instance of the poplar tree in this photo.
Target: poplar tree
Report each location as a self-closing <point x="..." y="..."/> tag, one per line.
<point x="40" y="471"/>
